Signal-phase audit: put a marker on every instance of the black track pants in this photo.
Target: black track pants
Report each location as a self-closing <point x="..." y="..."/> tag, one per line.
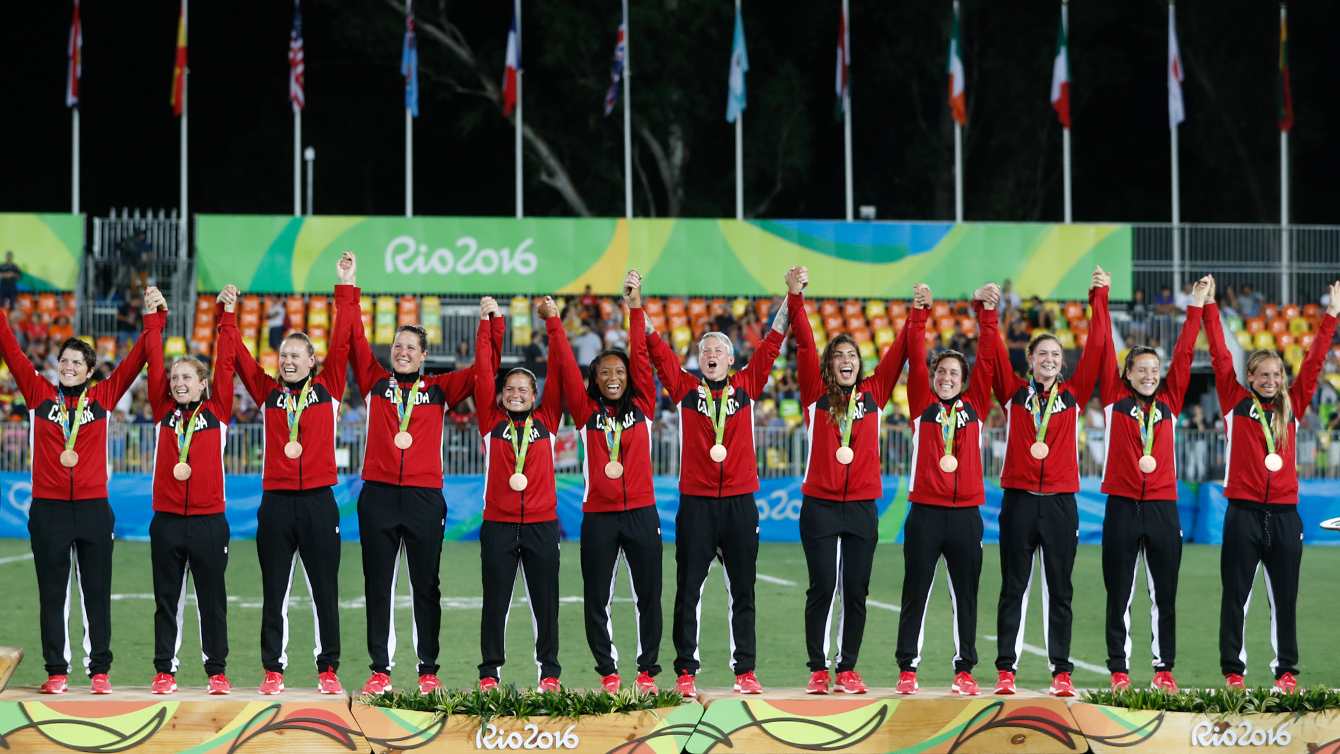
<point x="503" y="550"/>
<point x="707" y="528"/>
<point x="1028" y="524"/>
<point x="1131" y="530"/>
<point x="933" y="532"/>
<point x="636" y="534"/>
<point x="1260" y="534"/>
<point x="839" y="540"/>
<point x="196" y="546"/>
<point x="290" y="525"/>
<point x="62" y="532"/>
<point x="395" y="522"/>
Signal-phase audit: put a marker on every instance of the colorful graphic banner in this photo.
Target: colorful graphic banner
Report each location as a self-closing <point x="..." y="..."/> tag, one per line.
<point x="486" y="255"/>
<point x="46" y="247"/>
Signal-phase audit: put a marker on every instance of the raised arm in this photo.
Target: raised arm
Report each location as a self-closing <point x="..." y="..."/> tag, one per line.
<point x="979" y="384"/>
<point x="25" y="374"/>
<point x="1100" y="331"/>
<point x="221" y="393"/>
<point x="160" y="390"/>
<point x="642" y="375"/>
<point x="366" y="369"/>
<point x="563" y="367"/>
<point x="1179" y="371"/>
<point x="486" y="394"/>
<point x="807" y="356"/>
<point x="890" y="366"/>
<point x="1225" y="376"/>
<point x="550" y="412"/>
<point x="335" y="372"/>
<point x="1003" y="380"/>
<point x="110" y="390"/>
<point x="1306" y="380"/>
<point x="676" y="380"/>
<point x="755" y="374"/>
<point x="913" y="336"/>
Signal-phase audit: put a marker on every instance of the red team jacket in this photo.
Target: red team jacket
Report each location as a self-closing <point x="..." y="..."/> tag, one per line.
<point x="634" y="488"/>
<point x="699" y="474"/>
<point x="202" y="494"/>
<point x="537" y="503"/>
<point x="1059" y="472"/>
<point x="824" y="477"/>
<point x="316" y="428"/>
<point x="1245" y="475"/>
<point x="420" y="465"/>
<point x="87" y="479"/>
<point x="927" y="483"/>
<point x="1121" y="474"/>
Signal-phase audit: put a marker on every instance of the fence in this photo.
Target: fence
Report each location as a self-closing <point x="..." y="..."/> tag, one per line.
<point x="781" y="452"/>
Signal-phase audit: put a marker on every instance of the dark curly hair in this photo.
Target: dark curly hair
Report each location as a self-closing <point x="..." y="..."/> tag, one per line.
<point x="831" y="386"/>
<point x="630" y="391"/>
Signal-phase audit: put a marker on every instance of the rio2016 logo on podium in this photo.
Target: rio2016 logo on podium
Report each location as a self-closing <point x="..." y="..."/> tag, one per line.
<point x="406" y="256"/>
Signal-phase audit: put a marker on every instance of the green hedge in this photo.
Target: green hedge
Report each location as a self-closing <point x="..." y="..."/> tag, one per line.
<point x="1257" y="701"/>
<point x="508" y="701"/>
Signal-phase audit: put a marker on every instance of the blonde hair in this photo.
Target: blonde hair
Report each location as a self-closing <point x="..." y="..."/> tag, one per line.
<point x="200" y="369"/>
<point x="1280" y="404"/>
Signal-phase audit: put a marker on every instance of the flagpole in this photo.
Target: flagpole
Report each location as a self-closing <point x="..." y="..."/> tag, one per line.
<point x="1065" y="132"/>
<point x="958" y="173"/>
<point x="74" y="153"/>
<point x="297" y="162"/>
<point x="1284" y="185"/>
<point x="409" y="163"/>
<point x="846" y="108"/>
<point x="1176" y="214"/>
<point x="185" y="80"/>
<point x="627" y="120"/>
<point x="520" y="199"/>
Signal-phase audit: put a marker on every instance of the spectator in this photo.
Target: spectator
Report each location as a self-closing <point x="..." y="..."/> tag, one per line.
<point x="128" y="319"/>
<point x="1158" y="349"/>
<point x="751" y="332"/>
<point x="535" y="357"/>
<point x="586" y="347"/>
<point x="617" y="338"/>
<point x="62" y="331"/>
<point x="1165" y="303"/>
<point x="788" y="387"/>
<point x="1249" y="304"/>
<point x="135" y="252"/>
<point x="351" y="419"/>
<point x="34" y="329"/>
<point x="276" y="323"/>
<point x="1039" y="315"/>
<point x="1196" y="448"/>
<point x="1010" y="296"/>
<point x="1130" y="343"/>
<point x="591" y="306"/>
<point x="463" y="358"/>
<point x="1139" y="315"/>
<point x="1183" y="298"/>
<point x="1016" y="340"/>
<point x="895" y="419"/>
<point x="463" y="413"/>
<point x="9" y="281"/>
<point x="144" y="414"/>
<point x="1229" y="306"/>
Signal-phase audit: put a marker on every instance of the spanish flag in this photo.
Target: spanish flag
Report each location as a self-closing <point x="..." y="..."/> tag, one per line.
<point x="179" y="68"/>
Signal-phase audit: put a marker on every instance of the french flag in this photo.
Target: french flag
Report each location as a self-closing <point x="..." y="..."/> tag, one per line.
<point x="513" y="65"/>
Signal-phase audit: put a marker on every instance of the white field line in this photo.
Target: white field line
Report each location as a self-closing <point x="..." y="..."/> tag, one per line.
<point x="16" y="558"/>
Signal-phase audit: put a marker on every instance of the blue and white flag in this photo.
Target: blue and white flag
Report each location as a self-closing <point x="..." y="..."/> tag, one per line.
<point x="409" y="62"/>
<point x="616" y="67"/>
<point x="739" y="63"/>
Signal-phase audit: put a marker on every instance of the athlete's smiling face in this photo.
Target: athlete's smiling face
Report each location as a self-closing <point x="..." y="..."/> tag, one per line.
<point x="1144" y="374"/>
<point x="519" y="393"/>
<point x="295" y="360"/>
<point x="611" y="377"/>
<point x="1267" y="379"/>
<point x="846" y="364"/>
<point x="948" y="378"/>
<point x="72" y="368"/>
<point x="1046" y="359"/>
<point x="185" y="384"/>
<point x="407" y="353"/>
<point x="715" y="357"/>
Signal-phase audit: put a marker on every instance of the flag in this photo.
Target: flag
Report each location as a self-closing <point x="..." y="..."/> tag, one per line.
<point x="616" y="67"/>
<point x="513" y="64"/>
<point x="409" y="62"/>
<point x="957" y="102"/>
<point x="1061" y="76"/>
<point x="1285" y="94"/>
<point x="1176" y="110"/>
<point x="179" y="68"/>
<point x="739" y="63"/>
<point x="295" y="61"/>
<point x="843" y="65"/>
<point x="76" y="55"/>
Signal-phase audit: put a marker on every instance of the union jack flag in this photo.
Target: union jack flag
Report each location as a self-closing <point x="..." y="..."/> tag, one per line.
<point x="616" y="68"/>
<point x="295" y="61"/>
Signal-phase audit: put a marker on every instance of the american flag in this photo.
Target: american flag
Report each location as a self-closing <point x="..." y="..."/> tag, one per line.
<point x="295" y="61"/>
<point x="616" y="68"/>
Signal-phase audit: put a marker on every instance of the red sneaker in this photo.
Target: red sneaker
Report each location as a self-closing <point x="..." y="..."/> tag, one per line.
<point x="329" y="683"/>
<point x="818" y="682"/>
<point x="1061" y="685"/>
<point x="100" y="684"/>
<point x="163" y="683"/>
<point x="428" y="683"/>
<point x="1121" y="681"/>
<point x="273" y="683"/>
<point x="849" y="682"/>
<point x="965" y="685"/>
<point x="907" y="682"/>
<point x="1286" y="684"/>
<point x="1004" y="682"/>
<point x="378" y="683"/>
<point x="646" y="684"/>
<point x="1163" y="680"/>
<point x="684" y="685"/>
<point x="488" y="684"/>
<point x="56" y="684"/>
<point x="746" y="683"/>
<point x="218" y="684"/>
<point x="1234" y="681"/>
<point x="549" y="685"/>
<point x="611" y="683"/>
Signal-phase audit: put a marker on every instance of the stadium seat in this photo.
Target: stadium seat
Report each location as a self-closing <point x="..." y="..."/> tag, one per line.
<point x="1291" y="311"/>
<point x="384" y="318"/>
<point x="861" y="335"/>
<point x="898" y="321"/>
<point x="1078" y="325"/>
<point x="877" y="323"/>
<point x="875" y="308"/>
<point x="174" y="346"/>
<point x="1256" y="324"/>
<point x="251" y="303"/>
<point x="1244" y="339"/>
<point x="653" y="306"/>
<point x="897" y="309"/>
<point x="968" y="325"/>
<point x="318" y="312"/>
<point x="852" y="308"/>
<point x="48" y="305"/>
<point x="407" y="311"/>
<point x="1299" y="325"/>
<point x="431" y="318"/>
<point x="932" y="339"/>
<point x="855" y="323"/>
<point x="833" y="324"/>
<point x="1278" y="326"/>
<point x="1305" y="340"/>
<point x="1081" y="338"/>
<point x="26" y="304"/>
<point x="106" y="347"/>
<point x="675" y="306"/>
<point x="202" y="348"/>
<point x="962" y="309"/>
<point x="296" y="308"/>
<point x="1293" y="353"/>
<point x="1073" y="310"/>
<point x="941" y="309"/>
<point x="68" y="304"/>
<point x="762" y="305"/>
<point x="1234" y="324"/>
<point x="945" y="324"/>
<point x="270" y="363"/>
<point x="606" y="309"/>
<point x="867" y="349"/>
<point x="829" y="308"/>
<point x="681" y="337"/>
<point x="1067" y="339"/>
<point x="1312" y="310"/>
<point x="1264" y="340"/>
<point x="884" y="336"/>
<point x="678" y="321"/>
<point x="883" y="348"/>
<point x="1269" y="311"/>
<point x="1285" y="341"/>
<point x="738" y="306"/>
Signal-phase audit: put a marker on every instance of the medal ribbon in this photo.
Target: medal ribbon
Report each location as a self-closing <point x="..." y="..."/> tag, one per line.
<point x="295" y="413"/>
<point x="403" y="407"/>
<point x="521" y="446"/>
<point x="949" y="426"/>
<point x="1146" y="426"/>
<point x="613" y="438"/>
<point x="846" y="423"/>
<point x="1265" y="425"/>
<point x="718" y="418"/>
<point x="1041" y="422"/>
<point x="71" y="432"/>
<point x="184" y="436"/>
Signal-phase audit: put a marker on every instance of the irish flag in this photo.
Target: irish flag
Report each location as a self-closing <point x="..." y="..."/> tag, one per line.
<point x="1061" y="75"/>
<point x="956" y="101"/>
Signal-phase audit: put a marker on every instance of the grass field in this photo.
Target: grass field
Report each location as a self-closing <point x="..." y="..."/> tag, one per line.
<point x="781" y="597"/>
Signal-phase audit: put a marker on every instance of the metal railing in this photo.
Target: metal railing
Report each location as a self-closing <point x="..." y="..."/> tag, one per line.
<point x="163" y="233"/>
<point x="780" y="452"/>
<point x="100" y="278"/>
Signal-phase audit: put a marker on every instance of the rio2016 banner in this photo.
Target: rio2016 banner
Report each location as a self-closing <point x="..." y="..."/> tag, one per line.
<point x="698" y="257"/>
<point x="47" y="247"/>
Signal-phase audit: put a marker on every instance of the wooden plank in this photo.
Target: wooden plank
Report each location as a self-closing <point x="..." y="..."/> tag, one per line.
<point x="1110" y="730"/>
<point x="10" y="657"/>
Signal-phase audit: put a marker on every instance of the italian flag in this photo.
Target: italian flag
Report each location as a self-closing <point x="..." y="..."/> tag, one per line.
<point x="957" y="105"/>
<point x="1061" y="75"/>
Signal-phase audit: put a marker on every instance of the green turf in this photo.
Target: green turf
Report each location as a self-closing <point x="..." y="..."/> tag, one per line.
<point x="780" y="625"/>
